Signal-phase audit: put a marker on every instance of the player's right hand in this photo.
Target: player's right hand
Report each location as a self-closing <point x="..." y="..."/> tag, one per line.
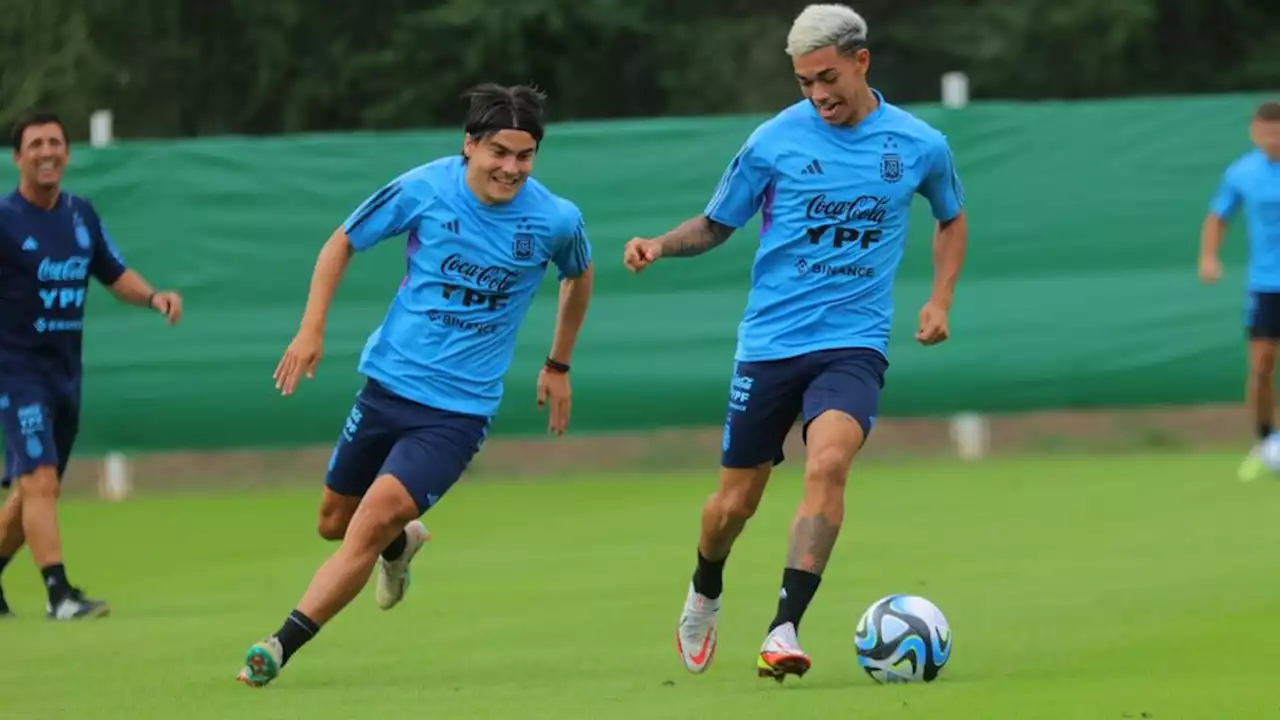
<point x="1210" y="269"/>
<point x="640" y="253"/>
<point x="300" y="359"/>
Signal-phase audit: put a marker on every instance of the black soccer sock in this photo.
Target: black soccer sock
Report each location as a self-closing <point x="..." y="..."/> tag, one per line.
<point x="55" y="581"/>
<point x="4" y="562"/>
<point x="298" y="630"/>
<point x="396" y="548"/>
<point x="1264" y="431"/>
<point x="708" y="579"/>
<point x="798" y="589"/>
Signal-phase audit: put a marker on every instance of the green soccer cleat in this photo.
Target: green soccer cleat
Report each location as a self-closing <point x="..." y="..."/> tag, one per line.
<point x="262" y="663"/>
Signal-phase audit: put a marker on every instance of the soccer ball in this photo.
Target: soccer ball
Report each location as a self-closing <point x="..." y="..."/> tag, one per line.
<point x="903" y="638"/>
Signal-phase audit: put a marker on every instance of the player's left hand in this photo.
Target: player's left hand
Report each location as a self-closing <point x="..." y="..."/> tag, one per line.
<point x="168" y="304"/>
<point x="553" y="391"/>
<point x="933" y="324"/>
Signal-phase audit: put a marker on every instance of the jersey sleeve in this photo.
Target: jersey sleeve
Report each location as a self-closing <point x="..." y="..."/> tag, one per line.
<point x="1226" y="200"/>
<point x="742" y="187"/>
<point x="942" y="186"/>
<point x="572" y="255"/>
<point x="107" y="263"/>
<point x="389" y="212"/>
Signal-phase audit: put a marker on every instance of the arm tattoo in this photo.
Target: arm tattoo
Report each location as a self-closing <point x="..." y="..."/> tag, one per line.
<point x="694" y="237"/>
<point x="812" y="540"/>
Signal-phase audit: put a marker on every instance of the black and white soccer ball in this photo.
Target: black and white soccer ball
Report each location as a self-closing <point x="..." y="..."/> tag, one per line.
<point x="903" y="638"/>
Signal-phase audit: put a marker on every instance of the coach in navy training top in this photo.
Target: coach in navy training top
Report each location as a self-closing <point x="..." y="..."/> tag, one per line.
<point x="833" y="178"/>
<point x="51" y="244"/>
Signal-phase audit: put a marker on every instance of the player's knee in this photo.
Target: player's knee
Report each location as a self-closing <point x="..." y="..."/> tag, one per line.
<point x="41" y="483"/>
<point x="827" y="467"/>
<point x="383" y="511"/>
<point x="737" y="506"/>
<point x="1261" y="370"/>
<point x="332" y="525"/>
<point x="739" y="493"/>
<point x="335" y="514"/>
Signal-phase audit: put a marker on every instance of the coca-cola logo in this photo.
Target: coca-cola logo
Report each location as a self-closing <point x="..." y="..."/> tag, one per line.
<point x="869" y="208"/>
<point x="492" y="278"/>
<point x="73" y="269"/>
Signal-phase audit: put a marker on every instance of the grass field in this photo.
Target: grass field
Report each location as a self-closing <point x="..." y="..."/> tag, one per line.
<point x="1076" y="588"/>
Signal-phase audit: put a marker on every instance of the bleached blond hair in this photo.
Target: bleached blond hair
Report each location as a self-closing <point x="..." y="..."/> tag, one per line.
<point x="818" y="26"/>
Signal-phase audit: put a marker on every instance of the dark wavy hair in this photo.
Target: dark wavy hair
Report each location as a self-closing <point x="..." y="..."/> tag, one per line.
<point x="495" y="108"/>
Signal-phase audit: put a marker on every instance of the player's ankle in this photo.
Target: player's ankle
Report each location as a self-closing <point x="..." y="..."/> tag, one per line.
<point x="297" y="630"/>
<point x="708" y="578"/>
<point x="55" y="580"/>
<point x="392" y="552"/>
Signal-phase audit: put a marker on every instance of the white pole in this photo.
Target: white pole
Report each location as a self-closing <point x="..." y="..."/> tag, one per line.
<point x="100" y="128"/>
<point x="955" y="90"/>
<point x="117" y="481"/>
<point x="971" y="435"/>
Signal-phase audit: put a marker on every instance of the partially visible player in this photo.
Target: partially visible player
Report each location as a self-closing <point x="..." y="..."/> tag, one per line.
<point x="51" y="243"/>
<point x="481" y="233"/>
<point x="1252" y="184"/>
<point x="833" y="177"/>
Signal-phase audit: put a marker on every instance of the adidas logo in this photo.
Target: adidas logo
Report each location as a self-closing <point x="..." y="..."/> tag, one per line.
<point x="451" y="226"/>
<point x="30" y="245"/>
<point x="813" y="168"/>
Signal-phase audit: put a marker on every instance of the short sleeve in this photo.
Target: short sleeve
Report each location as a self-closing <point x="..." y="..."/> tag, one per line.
<point x="741" y="190"/>
<point x="942" y="186"/>
<point x="107" y="263"/>
<point x="1226" y="200"/>
<point x="389" y="212"/>
<point x="572" y="254"/>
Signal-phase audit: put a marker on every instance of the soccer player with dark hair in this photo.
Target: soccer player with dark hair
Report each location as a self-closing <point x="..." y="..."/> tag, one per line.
<point x="51" y="243"/>
<point x="833" y="177"/>
<point x="1252" y="184"/>
<point x="481" y="233"/>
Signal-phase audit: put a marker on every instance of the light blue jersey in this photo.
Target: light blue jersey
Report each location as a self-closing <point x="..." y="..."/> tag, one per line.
<point x="834" y="204"/>
<point x="473" y="269"/>
<point x="1253" y="183"/>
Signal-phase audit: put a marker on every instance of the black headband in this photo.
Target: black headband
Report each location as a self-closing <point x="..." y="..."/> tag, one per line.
<point x="482" y="129"/>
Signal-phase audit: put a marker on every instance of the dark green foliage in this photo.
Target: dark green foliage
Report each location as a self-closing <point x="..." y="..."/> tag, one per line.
<point x="256" y="66"/>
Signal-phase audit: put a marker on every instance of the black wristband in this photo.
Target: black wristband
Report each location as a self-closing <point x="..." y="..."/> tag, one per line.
<point x="556" y="367"/>
<point x="151" y="301"/>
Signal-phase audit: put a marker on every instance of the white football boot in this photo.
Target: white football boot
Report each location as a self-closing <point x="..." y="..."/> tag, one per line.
<point x="696" y="634"/>
<point x="393" y="575"/>
<point x="781" y="655"/>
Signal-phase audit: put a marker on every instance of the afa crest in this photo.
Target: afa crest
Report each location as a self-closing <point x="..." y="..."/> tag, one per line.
<point x="522" y="246"/>
<point x="891" y="167"/>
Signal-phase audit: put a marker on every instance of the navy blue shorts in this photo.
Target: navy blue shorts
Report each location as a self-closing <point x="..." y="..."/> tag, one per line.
<point x="1262" y="317"/>
<point x="765" y="399"/>
<point x="425" y="448"/>
<point x="40" y="426"/>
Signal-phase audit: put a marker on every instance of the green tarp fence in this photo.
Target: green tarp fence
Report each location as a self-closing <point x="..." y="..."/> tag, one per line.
<point x="1079" y="291"/>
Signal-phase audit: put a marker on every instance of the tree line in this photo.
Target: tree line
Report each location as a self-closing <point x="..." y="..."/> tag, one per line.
<point x="210" y="67"/>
